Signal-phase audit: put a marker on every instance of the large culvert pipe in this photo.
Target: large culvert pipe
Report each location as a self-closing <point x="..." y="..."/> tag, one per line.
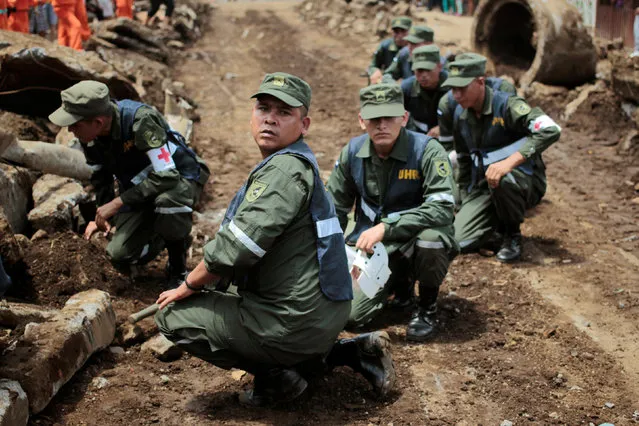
<point x="537" y="40"/>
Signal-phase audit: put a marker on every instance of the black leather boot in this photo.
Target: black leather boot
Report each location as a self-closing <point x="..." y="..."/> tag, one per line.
<point x="176" y="266"/>
<point x="423" y="324"/>
<point x="511" y="246"/>
<point x="370" y="355"/>
<point x="274" y="386"/>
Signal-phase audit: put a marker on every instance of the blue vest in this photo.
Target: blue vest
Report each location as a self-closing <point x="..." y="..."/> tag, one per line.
<point x="334" y="277"/>
<point x="497" y="142"/>
<point x="405" y="64"/>
<point x="389" y="50"/>
<point x="134" y="165"/>
<point x="404" y="191"/>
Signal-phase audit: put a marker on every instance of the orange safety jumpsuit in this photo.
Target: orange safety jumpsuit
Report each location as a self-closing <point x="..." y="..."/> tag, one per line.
<point x="4" y="8"/>
<point x="124" y="8"/>
<point x="19" y="20"/>
<point x="69" y="26"/>
<point x="81" y="14"/>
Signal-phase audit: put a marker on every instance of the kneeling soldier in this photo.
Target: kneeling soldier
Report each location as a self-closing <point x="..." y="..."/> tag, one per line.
<point x="401" y="185"/>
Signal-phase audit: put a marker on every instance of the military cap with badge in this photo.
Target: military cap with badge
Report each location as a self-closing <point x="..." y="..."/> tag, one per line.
<point x="462" y="72"/>
<point x="420" y="34"/>
<point x="425" y="57"/>
<point x="381" y="100"/>
<point x="401" y="22"/>
<point x="86" y="99"/>
<point x="291" y="90"/>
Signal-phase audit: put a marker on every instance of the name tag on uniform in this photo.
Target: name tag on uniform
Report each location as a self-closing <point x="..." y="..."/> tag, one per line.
<point x="410" y="174"/>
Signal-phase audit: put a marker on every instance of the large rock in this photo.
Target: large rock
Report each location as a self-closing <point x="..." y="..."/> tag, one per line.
<point x="15" y="195"/>
<point x="14" y="405"/>
<point x="625" y="76"/>
<point x="54" y="198"/>
<point x="32" y="67"/>
<point x="49" y="353"/>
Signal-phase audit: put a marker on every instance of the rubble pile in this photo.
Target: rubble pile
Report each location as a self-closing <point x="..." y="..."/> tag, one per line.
<point x="356" y="16"/>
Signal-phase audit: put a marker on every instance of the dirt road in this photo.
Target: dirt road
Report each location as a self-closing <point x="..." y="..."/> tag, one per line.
<point x="550" y="340"/>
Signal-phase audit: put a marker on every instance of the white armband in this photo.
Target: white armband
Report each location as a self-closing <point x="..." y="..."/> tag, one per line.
<point x="161" y="158"/>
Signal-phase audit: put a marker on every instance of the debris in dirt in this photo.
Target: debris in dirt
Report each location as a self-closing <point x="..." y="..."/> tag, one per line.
<point x="40" y="234"/>
<point x="131" y="35"/>
<point x="162" y="348"/>
<point x="55" y="198"/>
<point x="587" y="355"/>
<point x="238" y="374"/>
<point x="550" y="333"/>
<point x="506" y="423"/>
<point x="164" y="379"/>
<point x="15" y="194"/>
<point x="116" y="350"/>
<point x="584" y="93"/>
<point x="99" y="382"/>
<point x="609" y="405"/>
<point x="131" y="334"/>
<point x="14" y="406"/>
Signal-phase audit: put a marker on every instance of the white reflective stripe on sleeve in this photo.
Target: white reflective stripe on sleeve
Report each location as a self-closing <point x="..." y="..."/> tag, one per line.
<point x="95" y="167"/>
<point x="368" y="211"/>
<point x="421" y="126"/>
<point x="542" y="122"/>
<point x="244" y="239"/>
<point x="328" y="227"/>
<point x="430" y="244"/>
<point x="452" y="156"/>
<point x="511" y="178"/>
<point x="441" y="197"/>
<point x="466" y="243"/>
<point x="439" y="112"/>
<point x="184" y="341"/>
<point x="395" y="215"/>
<point x="145" y="251"/>
<point x="173" y="210"/>
<point x="137" y="179"/>
<point x="161" y="158"/>
<point x="445" y="138"/>
<point x="503" y="153"/>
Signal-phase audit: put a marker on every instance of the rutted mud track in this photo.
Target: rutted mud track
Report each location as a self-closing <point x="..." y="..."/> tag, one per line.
<point x="550" y="340"/>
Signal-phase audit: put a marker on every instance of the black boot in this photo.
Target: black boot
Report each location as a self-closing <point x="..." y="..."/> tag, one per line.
<point x="368" y="354"/>
<point x="176" y="266"/>
<point x="511" y="247"/>
<point x="274" y="386"/>
<point x="422" y="325"/>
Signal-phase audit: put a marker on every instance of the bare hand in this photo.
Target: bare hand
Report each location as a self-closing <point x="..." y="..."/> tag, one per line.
<point x="169" y="296"/>
<point x="376" y="77"/>
<point x="91" y="229"/>
<point x="107" y="211"/>
<point x="370" y="237"/>
<point x="434" y="132"/>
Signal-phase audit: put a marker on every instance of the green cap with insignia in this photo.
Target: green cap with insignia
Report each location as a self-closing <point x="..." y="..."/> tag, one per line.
<point x="463" y="71"/>
<point x="425" y="57"/>
<point x="420" y="34"/>
<point x="381" y="100"/>
<point x="403" y="22"/>
<point x="85" y="99"/>
<point x="288" y="88"/>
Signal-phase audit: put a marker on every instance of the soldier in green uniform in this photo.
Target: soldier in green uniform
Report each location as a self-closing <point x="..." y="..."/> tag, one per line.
<point x="400" y="183"/>
<point x="401" y="68"/>
<point x="282" y="247"/>
<point x="423" y="90"/>
<point x="388" y="48"/>
<point x="498" y="136"/>
<point x="159" y="177"/>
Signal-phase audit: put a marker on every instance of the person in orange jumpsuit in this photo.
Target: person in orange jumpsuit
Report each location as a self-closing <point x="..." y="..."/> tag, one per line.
<point x="81" y="14"/>
<point x="124" y="8"/>
<point x="4" y="9"/>
<point x="19" y="18"/>
<point x="69" y="26"/>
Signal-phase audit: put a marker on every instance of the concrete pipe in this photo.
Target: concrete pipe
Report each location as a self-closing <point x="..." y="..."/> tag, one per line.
<point x="535" y="40"/>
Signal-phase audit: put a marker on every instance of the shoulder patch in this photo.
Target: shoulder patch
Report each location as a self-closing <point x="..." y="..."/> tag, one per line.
<point x="152" y="140"/>
<point x="254" y="191"/>
<point x="522" y="108"/>
<point x="443" y="168"/>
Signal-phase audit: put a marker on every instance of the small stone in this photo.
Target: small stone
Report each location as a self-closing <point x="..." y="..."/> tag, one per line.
<point x="553" y="415"/>
<point x="635" y="200"/>
<point x="566" y="261"/>
<point x="637" y="187"/>
<point x="99" y="382"/>
<point x="164" y="379"/>
<point x="238" y="374"/>
<point x="574" y="353"/>
<point x="606" y="424"/>
<point x="40" y="234"/>
<point x="506" y="423"/>
<point x="575" y="388"/>
<point x="116" y="350"/>
<point x="609" y="405"/>
<point x="588" y="356"/>
<point x="131" y="334"/>
<point x="162" y="348"/>
<point x="621" y="305"/>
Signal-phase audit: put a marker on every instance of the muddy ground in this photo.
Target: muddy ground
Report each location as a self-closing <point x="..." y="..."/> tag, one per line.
<point x="550" y="340"/>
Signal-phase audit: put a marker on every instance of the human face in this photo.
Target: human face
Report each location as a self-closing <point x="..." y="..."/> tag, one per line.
<point x="413" y="46"/>
<point x="398" y="36"/>
<point x="87" y="130"/>
<point x="428" y="79"/>
<point x="383" y="131"/>
<point x="276" y="125"/>
<point x="470" y="96"/>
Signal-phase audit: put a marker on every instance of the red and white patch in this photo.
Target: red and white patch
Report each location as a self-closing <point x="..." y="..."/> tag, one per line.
<point x="542" y="122"/>
<point x="161" y="158"/>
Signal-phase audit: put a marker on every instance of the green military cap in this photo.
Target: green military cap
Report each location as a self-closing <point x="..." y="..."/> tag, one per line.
<point x="85" y="99"/>
<point x="425" y="57"/>
<point x="420" y="34"/>
<point x="463" y="71"/>
<point x="288" y="88"/>
<point x="469" y="55"/>
<point x="381" y="100"/>
<point x="403" y="22"/>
